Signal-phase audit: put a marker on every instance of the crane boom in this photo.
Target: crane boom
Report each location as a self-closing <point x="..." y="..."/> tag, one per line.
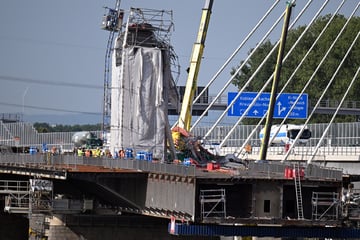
<point x="195" y="60"/>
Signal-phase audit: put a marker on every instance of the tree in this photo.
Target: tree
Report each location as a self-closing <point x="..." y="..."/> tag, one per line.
<point x="42" y="127"/>
<point x="251" y="66"/>
<point x="307" y="68"/>
<point x="45" y="127"/>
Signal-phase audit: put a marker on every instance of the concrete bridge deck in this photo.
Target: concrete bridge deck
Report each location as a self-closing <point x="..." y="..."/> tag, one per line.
<point x="103" y="186"/>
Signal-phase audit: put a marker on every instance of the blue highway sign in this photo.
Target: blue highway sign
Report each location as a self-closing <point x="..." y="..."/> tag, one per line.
<point x="282" y="105"/>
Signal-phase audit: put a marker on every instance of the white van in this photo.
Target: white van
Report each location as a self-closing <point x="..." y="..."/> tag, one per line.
<point x="287" y="134"/>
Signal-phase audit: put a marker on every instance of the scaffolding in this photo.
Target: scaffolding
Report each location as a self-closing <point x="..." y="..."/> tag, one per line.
<point x="17" y="195"/>
<point x="325" y="206"/>
<point x="149" y="28"/>
<point x="27" y="197"/>
<point x="112" y="22"/>
<point x="144" y="27"/>
<point x="41" y="196"/>
<point x="34" y="198"/>
<point x="213" y="203"/>
<point x="142" y="78"/>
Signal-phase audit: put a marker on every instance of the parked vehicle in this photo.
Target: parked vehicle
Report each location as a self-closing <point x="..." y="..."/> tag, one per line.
<point x="287" y="133"/>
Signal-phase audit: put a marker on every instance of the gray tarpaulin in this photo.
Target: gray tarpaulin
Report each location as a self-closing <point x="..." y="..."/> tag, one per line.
<point x="139" y="101"/>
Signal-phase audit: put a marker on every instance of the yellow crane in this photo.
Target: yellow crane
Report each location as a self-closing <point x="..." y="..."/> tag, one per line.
<point x="195" y="61"/>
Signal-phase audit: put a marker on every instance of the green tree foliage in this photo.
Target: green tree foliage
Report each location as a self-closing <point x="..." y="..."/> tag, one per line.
<point x="250" y="67"/>
<point x="307" y="68"/>
<point x="45" y="127"/>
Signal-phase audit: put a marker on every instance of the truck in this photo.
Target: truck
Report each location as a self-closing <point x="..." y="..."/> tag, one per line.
<point x="286" y="134"/>
<point x="87" y="140"/>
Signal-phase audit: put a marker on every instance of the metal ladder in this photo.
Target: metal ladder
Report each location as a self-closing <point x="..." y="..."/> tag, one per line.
<point x="297" y="181"/>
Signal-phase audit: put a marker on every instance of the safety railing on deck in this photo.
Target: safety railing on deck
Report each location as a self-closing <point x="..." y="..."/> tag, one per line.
<point x="271" y="169"/>
<point x="133" y="164"/>
<point x="253" y="169"/>
<point x="334" y="151"/>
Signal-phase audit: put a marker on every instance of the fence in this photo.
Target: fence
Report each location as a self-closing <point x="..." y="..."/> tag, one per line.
<point x="254" y="169"/>
<point x="342" y="138"/>
<point x="49" y="160"/>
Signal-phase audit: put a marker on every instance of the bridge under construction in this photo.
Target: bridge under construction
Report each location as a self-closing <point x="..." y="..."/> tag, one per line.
<point x="187" y="180"/>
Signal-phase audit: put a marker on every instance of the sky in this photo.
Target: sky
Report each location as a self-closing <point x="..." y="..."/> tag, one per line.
<point x="52" y="53"/>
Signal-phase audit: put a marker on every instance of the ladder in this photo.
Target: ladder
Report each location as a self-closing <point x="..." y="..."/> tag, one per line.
<point x="297" y="181"/>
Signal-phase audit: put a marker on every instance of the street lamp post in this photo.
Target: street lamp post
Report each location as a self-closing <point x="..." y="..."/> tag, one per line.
<point x="23" y="112"/>
<point x="23" y="102"/>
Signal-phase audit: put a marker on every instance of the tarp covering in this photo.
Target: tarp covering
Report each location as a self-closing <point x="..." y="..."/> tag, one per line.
<point x="141" y="86"/>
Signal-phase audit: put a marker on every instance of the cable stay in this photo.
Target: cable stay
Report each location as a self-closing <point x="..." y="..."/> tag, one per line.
<point x="229" y="133"/>
<point x="228" y="61"/>
<point x="329" y="83"/>
<point x="294" y="72"/>
<point x="340" y="104"/>
<point x="251" y="78"/>
<point x="239" y="68"/>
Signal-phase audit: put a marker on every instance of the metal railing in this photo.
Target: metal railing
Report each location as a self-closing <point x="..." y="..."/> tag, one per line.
<point x="335" y="151"/>
<point x="14" y="186"/>
<point x="323" y="104"/>
<point x="263" y="169"/>
<point x="17" y="195"/>
<point x="341" y="135"/>
<point x="73" y="160"/>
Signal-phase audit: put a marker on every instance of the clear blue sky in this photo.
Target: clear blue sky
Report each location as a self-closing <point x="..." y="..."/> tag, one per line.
<point x="60" y="44"/>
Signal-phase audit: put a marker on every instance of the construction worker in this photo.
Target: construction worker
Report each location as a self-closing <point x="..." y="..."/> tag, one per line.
<point x="87" y="153"/>
<point x="97" y="152"/>
<point x="80" y="152"/>
<point x="116" y="155"/>
<point x="121" y="153"/>
<point x="247" y="151"/>
<point x="53" y="151"/>
<point x="248" y="148"/>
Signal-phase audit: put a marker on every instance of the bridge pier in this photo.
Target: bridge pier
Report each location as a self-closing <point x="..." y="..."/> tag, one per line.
<point x="59" y="230"/>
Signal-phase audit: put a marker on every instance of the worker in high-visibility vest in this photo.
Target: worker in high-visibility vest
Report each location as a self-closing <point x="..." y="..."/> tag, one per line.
<point x="80" y="152"/>
<point x="97" y="152"/>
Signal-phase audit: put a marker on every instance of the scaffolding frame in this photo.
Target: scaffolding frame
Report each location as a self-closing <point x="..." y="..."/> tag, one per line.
<point x="17" y="195"/>
<point x="153" y="28"/>
<point x="159" y="22"/>
<point x="213" y="203"/>
<point x="325" y="206"/>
